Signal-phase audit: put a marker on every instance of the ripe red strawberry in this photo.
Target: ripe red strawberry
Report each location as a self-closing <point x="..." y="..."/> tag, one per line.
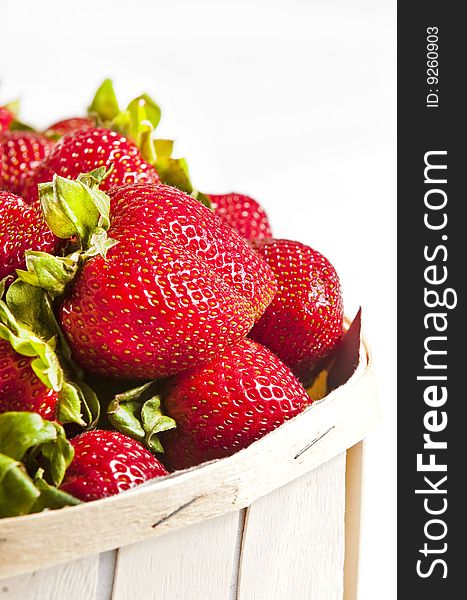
<point x="22" y="228"/>
<point x="6" y="117"/>
<point x="227" y="404"/>
<point x="304" y="322"/>
<point x="61" y="128"/>
<point x="178" y="288"/>
<point x="20" y="388"/>
<point x="107" y="463"/>
<point x="242" y="213"/>
<point x="20" y="153"/>
<point x="85" y="150"/>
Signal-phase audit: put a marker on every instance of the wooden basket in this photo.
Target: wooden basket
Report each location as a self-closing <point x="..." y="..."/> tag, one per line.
<point x="288" y="543"/>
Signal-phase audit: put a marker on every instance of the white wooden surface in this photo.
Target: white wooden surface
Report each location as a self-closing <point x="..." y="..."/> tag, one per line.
<point x="293" y="545"/>
<point x="76" y="580"/>
<point x="195" y="563"/>
<point x="289" y="546"/>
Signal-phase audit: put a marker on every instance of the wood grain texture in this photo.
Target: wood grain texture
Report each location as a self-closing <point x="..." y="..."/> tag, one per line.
<point x="194" y="563"/>
<point x="105" y="580"/>
<point x="326" y="429"/>
<point x="293" y="543"/>
<point x="76" y="580"/>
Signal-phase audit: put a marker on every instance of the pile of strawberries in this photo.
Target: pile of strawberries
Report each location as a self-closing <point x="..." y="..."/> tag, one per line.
<point x="145" y="326"/>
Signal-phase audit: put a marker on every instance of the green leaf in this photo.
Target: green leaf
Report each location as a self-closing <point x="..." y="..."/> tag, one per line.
<point x="69" y="409"/>
<point x="126" y="418"/>
<point x="90" y="403"/>
<point x="202" y="198"/>
<point x="163" y="148"/>
<point x="141" y="109"/>
<point x="73" y="208"/>
<point x="3" y="284"/>
<point x="94" y="178"/>
<point x="154" y="422"/>
<point x="27" y="437"/>
<point x="50" y="497"/>
<point x="138" y="417"/>
<point x="21" y="431"/>
<point x="16" y="125"/>
<point x="59" y="453"/>
<point x="51" y="273"/>
<point x="174" y="172"/>
<point x="77" y="403"/>
<point x="138" y="123"/>
<point x="134" y="393"/>
<point x="13" y="107"/>
<point x="32" y="306"/>
<point x="17" y="492"/>
<point x="105" y="103"/>
<point x="124" y="412"/>
<point x="45" y="364"/>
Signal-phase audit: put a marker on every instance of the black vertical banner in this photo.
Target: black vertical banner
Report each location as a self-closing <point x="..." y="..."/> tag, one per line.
<point x="432" y="267"/>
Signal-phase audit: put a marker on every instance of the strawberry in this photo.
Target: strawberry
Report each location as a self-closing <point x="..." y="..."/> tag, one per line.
<point x="228" y="403"/>
<point x="179" y="287"/>
<point x="304" y="322"/>
<point x="20" y="388"/>
<point x="61" y="128"/>
<point x="20" y="153"/>
<point x="242" y="213"/>
<point x="6" y="118"/>
<point x="22" y="227"/>
<point x="107" y="463"/>
<point x="84" y="150"/>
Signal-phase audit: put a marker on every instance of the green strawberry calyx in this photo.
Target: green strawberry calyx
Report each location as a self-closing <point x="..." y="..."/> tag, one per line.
<point x="26" y="342"/>
<point x="28" y="323"/>
<point x="72" y="208"/>
<point x="76" y="207"/>
<point x="104" y="105"/>
<point x="137" y="413"/>
<point x="137" y="122"/>
<point x="50" y="497"/>
<point x="175" y="171"/>
<point x="51" y="273"/>
<point x="17" y="491"/>
<point x="27" y="440"/>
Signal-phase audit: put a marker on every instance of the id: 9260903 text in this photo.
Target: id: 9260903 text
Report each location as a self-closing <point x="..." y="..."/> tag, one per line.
<point x="432" y="67"/>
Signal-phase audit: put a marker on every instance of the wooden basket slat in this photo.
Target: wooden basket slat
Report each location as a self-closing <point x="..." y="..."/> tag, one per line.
<point x="75" y="580"/>
<point x="195" y="562"/>
<point x="301" y="547"/>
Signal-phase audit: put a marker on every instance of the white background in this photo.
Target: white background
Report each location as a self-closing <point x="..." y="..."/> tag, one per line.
<point x="290" y="102"/>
